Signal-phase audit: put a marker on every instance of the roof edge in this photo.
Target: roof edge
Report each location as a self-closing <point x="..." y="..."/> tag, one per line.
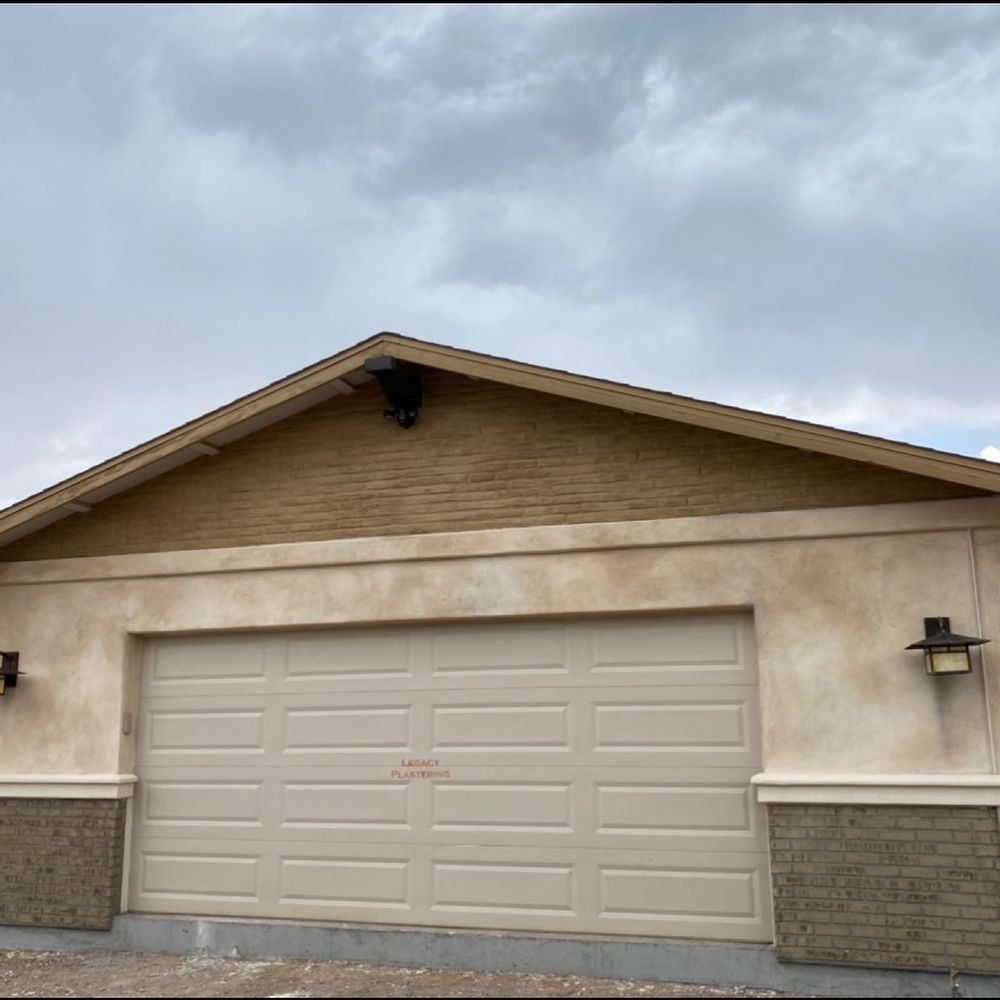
<point x="716" y="416"/>
<point x="851" y="445"/>
<point x="191" y="432"/>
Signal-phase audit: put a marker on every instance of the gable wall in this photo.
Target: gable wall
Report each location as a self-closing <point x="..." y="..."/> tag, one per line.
<point x="482" y="455"/>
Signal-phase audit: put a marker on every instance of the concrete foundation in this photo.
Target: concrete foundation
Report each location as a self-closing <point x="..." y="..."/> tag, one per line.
<point x="615" y="958"/>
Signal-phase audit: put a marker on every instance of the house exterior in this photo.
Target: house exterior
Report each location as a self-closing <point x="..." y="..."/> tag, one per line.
<point x="562" y="656"/>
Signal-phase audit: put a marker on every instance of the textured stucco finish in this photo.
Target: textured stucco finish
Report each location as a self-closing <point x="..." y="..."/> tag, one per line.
<point x="833" y="614"/>
<point x="987" y="557"/>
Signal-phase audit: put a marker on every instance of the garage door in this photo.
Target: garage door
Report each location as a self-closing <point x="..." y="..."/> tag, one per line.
<point x="588" y="776"/>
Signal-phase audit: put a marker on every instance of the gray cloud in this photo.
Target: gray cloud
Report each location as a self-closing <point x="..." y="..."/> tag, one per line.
<point x="783" y="207"/>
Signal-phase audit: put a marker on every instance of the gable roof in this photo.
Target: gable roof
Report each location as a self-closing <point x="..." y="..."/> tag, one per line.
<point x="344" y="372"/>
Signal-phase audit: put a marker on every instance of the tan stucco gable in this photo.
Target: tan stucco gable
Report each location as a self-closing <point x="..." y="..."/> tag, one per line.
<point x="482" y="455"/>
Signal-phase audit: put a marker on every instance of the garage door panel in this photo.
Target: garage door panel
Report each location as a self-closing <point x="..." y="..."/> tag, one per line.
<point x="511" y="726"/>
<point x="181" y="871"/>
<point x="633" y="652"/>
<point x="678" y="726"/>
<point x="361" y="728"/>
<point x="500" y="652"/>
<point x="186" y="729"/>
<point x="712" y="815"/>
<point x="670" y="725"/>
<point x="504" y="807"/>
<point x="373" y="655"/>
<point x="679" y="652"/>
<point x="346" y="805"/>
<point x="457" y="835"/>
<point x="355" y="730"/>
<point x="186" y="801"/>
<point x="558" y="776"/>
<point x="621" y="892"/>
<point x="708" y="809"/>
<point x="224" y="661"/>
<point x="339" y="882"/>
<point x="672" y="892"/>
<point x="503" y="887"/>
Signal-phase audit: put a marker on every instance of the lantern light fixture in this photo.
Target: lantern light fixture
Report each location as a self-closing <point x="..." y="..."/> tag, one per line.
<point x="945" y="652"/>
<point x="403" y="388"/>
<point x="8" y="671"/>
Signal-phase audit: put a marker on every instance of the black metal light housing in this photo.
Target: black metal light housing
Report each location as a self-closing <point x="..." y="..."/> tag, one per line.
<point x="945" y="652"/>
<point x="8" y="671"/>
<point x="402" y="386"/>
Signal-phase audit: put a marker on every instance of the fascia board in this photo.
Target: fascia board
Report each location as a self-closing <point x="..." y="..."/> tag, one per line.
<point x="715" y="416"/>
<point x="167" y="445"/>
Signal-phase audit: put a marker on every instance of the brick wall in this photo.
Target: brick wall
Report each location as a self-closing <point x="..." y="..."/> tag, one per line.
<point x="916" y="887"/>
<point x="482" y="455"/>
<point x="61" y="861"/>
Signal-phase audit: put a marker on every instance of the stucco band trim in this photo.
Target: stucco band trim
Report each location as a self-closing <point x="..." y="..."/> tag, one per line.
<point x="832" y="522"/>
<point x="879" y="789"/>
<point x="67" y="786"/>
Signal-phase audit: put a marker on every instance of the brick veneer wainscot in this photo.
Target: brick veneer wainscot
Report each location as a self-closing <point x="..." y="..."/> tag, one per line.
<point x="61" y="863"/>
<point x="911" y="886"/>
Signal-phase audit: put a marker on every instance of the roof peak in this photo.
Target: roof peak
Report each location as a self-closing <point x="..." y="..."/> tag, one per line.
<point x="343" y="372"/>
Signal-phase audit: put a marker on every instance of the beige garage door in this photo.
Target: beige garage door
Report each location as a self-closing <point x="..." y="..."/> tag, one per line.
<point x="587" y="776"/>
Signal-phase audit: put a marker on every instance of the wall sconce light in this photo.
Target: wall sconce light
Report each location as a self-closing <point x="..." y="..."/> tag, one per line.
<point x="944" y="651"/>
<point x="402" y="386"/>
<point x="8" y="671"/>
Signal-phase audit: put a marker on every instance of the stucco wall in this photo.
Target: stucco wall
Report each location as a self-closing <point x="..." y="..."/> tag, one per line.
<point x="482" y="455"/>
<point x="988" y="578"/>
<point x="836" y="595"/>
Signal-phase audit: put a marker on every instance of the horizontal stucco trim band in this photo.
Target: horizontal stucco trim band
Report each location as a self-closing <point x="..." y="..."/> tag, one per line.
<point x="879" y="789"/>
<point x="831" y="522"/>
<point x="67" y="786"/>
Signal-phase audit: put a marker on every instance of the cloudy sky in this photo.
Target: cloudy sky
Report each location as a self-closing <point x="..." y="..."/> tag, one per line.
<point x="795" y="209"/>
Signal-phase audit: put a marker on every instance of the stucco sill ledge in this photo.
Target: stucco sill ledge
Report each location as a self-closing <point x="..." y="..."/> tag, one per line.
<point x="878" y="789"/>
<point x="67" y="786"/>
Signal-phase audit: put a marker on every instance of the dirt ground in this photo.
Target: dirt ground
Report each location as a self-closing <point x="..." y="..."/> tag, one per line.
<point x="111" y="974"/>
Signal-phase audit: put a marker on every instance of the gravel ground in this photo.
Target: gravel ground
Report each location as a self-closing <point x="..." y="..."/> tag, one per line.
<point x="115" y="974"/>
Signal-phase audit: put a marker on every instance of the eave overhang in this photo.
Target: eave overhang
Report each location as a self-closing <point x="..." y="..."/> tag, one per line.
<point x="344" y="372"/>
